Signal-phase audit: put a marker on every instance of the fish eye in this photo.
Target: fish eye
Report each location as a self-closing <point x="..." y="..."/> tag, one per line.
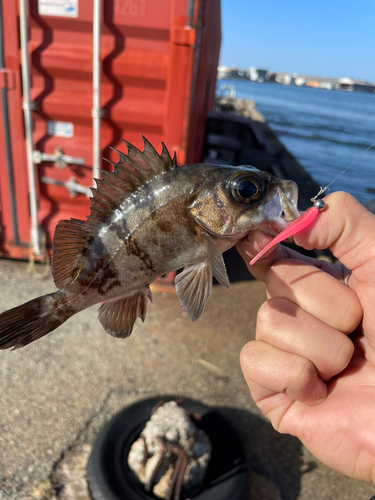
<point x="246" y="187"/>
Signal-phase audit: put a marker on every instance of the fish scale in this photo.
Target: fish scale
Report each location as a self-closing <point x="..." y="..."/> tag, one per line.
<point x="149" y="217"/>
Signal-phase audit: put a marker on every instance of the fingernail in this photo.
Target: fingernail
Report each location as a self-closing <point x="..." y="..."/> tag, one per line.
<point x="320" y="391"/>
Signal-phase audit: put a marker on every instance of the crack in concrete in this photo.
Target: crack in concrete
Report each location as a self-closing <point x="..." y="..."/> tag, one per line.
<point x="12" y="488"/>
<point x="81" y="432"/>
<point x="116" y="391"/>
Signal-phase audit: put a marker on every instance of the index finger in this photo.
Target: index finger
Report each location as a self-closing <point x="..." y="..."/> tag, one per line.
<point x="249" y="246"/>
<point x="345" y="227"/>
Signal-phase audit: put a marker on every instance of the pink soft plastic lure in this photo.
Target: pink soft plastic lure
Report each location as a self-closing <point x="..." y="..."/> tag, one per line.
<point x="301" y="223"/>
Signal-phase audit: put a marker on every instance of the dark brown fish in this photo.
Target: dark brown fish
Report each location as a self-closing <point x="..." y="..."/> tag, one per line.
<point x="150" y="217"/>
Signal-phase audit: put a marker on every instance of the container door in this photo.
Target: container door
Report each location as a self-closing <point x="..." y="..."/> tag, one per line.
<point x="149" y="62"/>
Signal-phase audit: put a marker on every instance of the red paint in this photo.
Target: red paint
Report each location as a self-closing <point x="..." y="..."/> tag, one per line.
<point x="301" y="223"/>
<point x="158" y="80"/>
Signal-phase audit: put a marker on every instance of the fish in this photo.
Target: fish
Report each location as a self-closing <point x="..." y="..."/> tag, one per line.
<point x="150" y="216"/>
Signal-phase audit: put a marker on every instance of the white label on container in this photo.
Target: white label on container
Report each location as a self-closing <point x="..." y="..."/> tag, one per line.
<point x="62" y="8"/>
<point x="60" y="129"/>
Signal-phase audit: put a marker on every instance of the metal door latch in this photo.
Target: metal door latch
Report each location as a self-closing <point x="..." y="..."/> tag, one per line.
<point x="60" y="160"/>
<point x="71" y="185"/>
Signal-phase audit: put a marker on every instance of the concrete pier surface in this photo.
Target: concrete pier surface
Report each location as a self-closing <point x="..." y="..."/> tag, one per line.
<point x="57" y="393"/>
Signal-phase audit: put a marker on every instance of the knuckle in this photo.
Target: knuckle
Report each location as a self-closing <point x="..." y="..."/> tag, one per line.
<point x="249" y="353"/>
<point x="336" y="359"/>
<point x="275" y="284"/>
<point x="280" y="270"/>
<point x="278" y="278"/>
<point x="351" y="316"/>
<point x="249" y="358"/>
<point x="304" y="375"/>
<point x="269" y="312"/>
<point x="264" y="315"/>
<point x="342" y="199"/>
<point x="345" y="354"/>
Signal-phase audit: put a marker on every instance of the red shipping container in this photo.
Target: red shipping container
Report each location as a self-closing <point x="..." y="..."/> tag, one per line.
<point x="158" y="74"/>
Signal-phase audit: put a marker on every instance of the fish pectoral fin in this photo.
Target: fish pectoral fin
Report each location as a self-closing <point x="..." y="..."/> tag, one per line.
<point x="194" y="283"/>
<point x="118" y="316"/>
<point x="193" y="287"/>
<point x="217" y="262"/>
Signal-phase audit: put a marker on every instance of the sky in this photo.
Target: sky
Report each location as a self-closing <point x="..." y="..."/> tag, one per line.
<point x="328" y="38"/>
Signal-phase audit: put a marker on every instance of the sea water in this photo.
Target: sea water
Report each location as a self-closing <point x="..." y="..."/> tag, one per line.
<point x="325" y="130"/>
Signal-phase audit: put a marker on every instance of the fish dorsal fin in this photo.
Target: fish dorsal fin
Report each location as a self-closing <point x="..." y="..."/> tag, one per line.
<point x="129" y="173"/>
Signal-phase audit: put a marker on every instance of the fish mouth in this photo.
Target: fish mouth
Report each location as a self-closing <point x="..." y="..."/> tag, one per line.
<point x="281" y="210"/>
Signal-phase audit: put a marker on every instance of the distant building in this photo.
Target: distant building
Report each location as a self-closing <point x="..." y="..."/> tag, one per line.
<point x="256" y="74"/>
<point x="316" y="82"/>
<point x="313" y="83"/>
<point x="238" y="73"/>
<point x="271" y="77"/>
<point x="300" y="81"/>
<point x="351" y="85"/>
<point x="286" y="78"/>
<point x="223" y="71"/>
<point x="326" y="85"/>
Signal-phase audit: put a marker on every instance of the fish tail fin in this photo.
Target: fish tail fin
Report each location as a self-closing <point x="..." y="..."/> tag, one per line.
<point x="30" y="321"/>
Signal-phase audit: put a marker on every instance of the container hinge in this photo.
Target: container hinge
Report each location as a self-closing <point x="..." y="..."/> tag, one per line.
<point x="7" y="79"/>
<point x="71" y="185"/>
<point x="101" y="113"/>
<point x="58" y="157"/>
<point x="30" y="105"/>
<point x="185" y="35"/>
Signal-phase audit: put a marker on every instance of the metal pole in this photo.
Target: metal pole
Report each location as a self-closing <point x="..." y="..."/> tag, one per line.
<point x="190" y="12"/>
<point x="8" y="149"/>
<point x="96" y="111"/>
<point x="27" y="107"/>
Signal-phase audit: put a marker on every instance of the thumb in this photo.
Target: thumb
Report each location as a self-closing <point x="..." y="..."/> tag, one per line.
<point x="347" y="228"/>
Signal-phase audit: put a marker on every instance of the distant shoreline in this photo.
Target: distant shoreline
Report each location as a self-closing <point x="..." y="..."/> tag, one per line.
<point x="292" y="85"/>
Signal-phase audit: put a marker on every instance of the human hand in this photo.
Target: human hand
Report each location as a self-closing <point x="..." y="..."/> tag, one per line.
<point x="303" y="370"/>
